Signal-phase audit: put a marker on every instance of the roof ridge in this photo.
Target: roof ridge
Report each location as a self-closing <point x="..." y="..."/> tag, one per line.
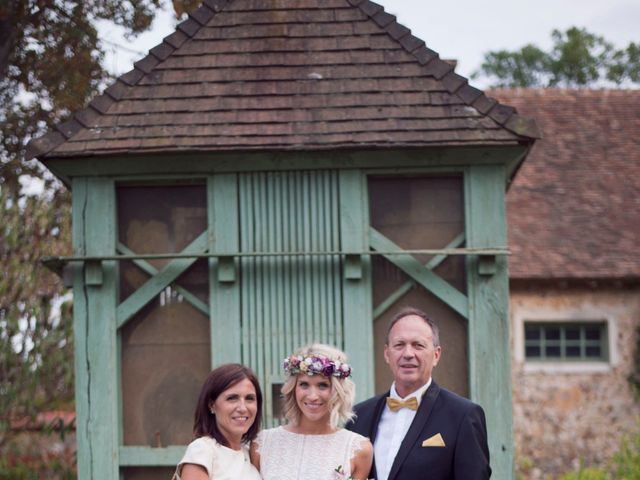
<point x="444" y="71"/>
<point x="101" y="104"/>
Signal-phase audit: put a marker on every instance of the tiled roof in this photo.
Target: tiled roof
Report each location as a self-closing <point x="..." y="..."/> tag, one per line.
<point x="574" y="207"/>
<point x="286" y="75"/>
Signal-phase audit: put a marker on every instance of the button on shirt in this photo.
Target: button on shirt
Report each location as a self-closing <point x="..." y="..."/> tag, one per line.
<point x="392" y="429"/>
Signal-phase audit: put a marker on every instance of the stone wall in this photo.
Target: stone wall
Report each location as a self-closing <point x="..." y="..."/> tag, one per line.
<point x="565" y="414"/>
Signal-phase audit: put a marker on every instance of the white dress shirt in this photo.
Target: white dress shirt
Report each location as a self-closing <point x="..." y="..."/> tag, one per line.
<point x="392" y="429"/>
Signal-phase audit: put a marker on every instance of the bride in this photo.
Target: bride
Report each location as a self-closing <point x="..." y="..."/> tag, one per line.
<point x="318" y="397"/>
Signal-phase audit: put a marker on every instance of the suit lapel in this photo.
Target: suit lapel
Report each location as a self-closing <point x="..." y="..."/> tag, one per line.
<point x="419" y="421"/>
<point x="377" y="413"/>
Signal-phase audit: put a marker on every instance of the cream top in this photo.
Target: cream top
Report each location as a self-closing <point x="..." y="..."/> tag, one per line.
<point x="220" y="462"/>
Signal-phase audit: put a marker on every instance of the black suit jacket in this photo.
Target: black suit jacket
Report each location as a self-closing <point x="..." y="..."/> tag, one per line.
<point x="461" y="424"/>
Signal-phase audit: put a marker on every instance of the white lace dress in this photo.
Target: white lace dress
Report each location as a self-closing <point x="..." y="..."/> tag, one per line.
<point x="293" y="456"/>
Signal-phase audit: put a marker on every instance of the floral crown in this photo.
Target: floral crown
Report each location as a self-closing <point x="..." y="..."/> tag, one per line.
<point x="316" y="365"/>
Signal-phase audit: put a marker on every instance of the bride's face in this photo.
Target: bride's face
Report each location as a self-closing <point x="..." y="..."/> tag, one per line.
<point x="312" y="396"/>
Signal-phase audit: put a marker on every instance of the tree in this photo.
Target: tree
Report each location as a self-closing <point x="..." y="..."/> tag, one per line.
<point x="50" y="66"/>
<point x="577" y="59"/>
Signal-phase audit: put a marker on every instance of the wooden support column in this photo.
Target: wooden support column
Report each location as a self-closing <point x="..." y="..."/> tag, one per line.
<point x="224" y="284"/>
<point x="489" y="347"/>
<point x="96" y="363"/>
<point x="356" y="293"/>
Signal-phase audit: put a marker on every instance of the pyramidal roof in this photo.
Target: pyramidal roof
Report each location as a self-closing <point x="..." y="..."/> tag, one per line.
<point x="286" y="75"/>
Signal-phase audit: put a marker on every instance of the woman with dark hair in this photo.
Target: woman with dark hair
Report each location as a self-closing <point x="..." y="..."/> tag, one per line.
<point x="227" y="419"/>
<point x="318" y="398"/>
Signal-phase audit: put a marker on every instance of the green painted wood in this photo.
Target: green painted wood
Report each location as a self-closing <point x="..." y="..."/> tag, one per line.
<point x="287" y="301"/>
<point x="93" y="273"/>
<point x="169" y="165"/>
<point x="151" y="270"/>
<point x="154" y="285"/>
<point x="396" y="295"/>
<point x="224" y="297"/>
<point x="80" y="329"/>
<point x="356" y="299"/>
<point x="94" y="233"/>
<point x="489" y="347"/>
<point x="388" y="302"/>
<point x="151" y="457"/>
<point x="425" y="277"/>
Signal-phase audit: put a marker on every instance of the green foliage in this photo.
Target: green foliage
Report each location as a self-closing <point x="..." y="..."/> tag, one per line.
<point x="586" y="474"/>
<point x="38" y="455"/>
<point x="50" y="66"/>
<point x="577" y="59"/>
<point x="36" y="348"/>
<point x="625" y="465"/>
<point x="627" y="460"/>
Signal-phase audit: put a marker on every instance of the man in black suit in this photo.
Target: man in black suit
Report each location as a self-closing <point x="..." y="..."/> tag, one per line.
<point x="420" y="430"/>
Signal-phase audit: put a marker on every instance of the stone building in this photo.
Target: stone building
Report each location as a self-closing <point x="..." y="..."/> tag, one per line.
<point x="574" y="229"/>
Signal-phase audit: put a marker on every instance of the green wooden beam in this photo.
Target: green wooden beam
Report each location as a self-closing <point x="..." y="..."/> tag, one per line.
<point x="160" y="281"/>
<point x="204" y="164"/>
<point x="224" y="289"/>
<point x="425" y="277"/>
<point x="151" y="457"/>
<point x="488" y="344"/>
<point x="151" y="270"/>
<point x="356" y="303"/>
<point x="96" y="375"/>
<point x="388" y="302"/>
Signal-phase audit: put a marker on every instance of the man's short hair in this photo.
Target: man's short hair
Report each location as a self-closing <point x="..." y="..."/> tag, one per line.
<point x="409" y="311"/>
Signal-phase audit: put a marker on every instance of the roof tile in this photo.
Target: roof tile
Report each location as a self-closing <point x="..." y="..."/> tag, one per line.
<point x="203" y="14"/>
<point x="286" y="74"/>
<point x="190" y="27"/>
<point x="574" y="207"/>
<point x="176" y="39"/>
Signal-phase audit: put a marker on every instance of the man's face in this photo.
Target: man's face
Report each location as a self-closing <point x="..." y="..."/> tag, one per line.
<point x="410" y="353"/>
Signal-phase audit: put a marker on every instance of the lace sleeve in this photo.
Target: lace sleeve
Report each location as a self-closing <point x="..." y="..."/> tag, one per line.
<point x="259" y="442"/>
<point x="356" y="443"/>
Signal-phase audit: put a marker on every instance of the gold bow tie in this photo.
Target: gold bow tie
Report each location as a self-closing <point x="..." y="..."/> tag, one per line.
<point x="394" y="404"/>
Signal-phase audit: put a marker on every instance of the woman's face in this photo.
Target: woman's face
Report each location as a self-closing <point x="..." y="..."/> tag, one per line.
<point x="235" y="410"/>
<point x="312" y="396"/>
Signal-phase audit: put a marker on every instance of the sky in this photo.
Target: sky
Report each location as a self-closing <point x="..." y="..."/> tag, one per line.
<point x="463" y="30"/>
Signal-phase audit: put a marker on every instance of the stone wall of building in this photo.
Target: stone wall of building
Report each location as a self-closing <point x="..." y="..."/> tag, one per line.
<point x="568" y="413"/>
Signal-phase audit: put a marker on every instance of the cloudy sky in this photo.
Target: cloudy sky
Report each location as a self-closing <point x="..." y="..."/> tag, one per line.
<point x="463" y="30"/>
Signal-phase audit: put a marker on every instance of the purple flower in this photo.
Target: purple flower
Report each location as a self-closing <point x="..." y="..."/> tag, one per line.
<point x="327" y="370"/>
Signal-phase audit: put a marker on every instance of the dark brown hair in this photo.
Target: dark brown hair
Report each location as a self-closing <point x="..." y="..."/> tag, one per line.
<point x="219" y="380"/>
<point x="406" y="312"/>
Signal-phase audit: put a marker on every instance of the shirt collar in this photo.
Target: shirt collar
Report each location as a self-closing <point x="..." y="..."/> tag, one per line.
<point x="418" y="393"/>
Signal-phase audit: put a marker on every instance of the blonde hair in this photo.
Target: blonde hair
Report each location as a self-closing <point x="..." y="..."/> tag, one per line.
<point x="343" y="390"/>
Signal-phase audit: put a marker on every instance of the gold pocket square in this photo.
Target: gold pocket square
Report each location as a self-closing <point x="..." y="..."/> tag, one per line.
<point x="435" y="441"/>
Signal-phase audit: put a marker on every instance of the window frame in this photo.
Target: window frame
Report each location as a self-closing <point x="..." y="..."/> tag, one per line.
<point x="575" y="312"/>
<point x="563" y="343"/>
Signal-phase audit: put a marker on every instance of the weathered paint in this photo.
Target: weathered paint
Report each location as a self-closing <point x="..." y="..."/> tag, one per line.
<point x="418" y="272"/>
<point x="194" y="165"/>
<point x="224" y="297"/>
<point x="94" y="233"/>
<point x="161" y="280"/>
<point x="489" y="352"/>
<point x="356" y="294"/>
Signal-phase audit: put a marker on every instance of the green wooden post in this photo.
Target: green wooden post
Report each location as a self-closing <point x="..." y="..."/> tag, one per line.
<point x="356" y="292"/>
<point x="94" y="287"/>
<point x="224" y="285"/>
<point x="489" y="347"/>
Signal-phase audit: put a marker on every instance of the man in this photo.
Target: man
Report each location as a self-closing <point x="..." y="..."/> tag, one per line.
<point x="420" y="430"/>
